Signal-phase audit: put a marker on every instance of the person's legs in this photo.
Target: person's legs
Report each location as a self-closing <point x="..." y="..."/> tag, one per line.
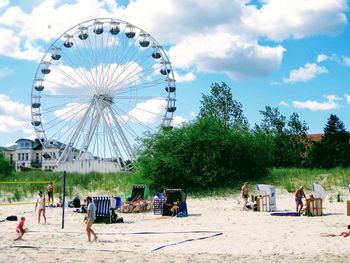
<point x="39" y="215"/>
<point x="44" y="215"/>
<point x="245" y="202"/>
<point x="89" y="231"/>
<point x="19" y="234"/>
<point x="300" y="207"/>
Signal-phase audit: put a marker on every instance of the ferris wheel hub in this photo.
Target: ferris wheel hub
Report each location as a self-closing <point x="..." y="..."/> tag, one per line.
<point x="104" y="99"/>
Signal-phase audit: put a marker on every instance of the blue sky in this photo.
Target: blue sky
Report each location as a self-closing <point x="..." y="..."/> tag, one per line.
<point x="290" y="54"/>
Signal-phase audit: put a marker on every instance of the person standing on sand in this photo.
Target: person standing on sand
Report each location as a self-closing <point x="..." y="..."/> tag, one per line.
<point x="91" y="217"/>
<point x="245" y="194"/>
<point x="50" y="192"/>
<point x="40" y="205"/>
<point x="299" y="194"/>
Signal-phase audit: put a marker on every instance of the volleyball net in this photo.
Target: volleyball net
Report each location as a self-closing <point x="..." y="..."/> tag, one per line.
<point x="14" y="192"/>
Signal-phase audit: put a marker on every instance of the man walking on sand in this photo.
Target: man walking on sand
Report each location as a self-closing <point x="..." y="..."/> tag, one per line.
<point x="245" y="194"/>
<point x="91" y="217"/>
<point x="299" y="194"/>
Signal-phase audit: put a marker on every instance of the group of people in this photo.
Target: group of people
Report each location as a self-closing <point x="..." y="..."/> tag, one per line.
<point x="40" y="208"/>
<point x="298" y="195"/>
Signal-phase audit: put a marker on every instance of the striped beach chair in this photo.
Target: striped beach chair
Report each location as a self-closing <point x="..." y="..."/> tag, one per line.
<point x="105" y="207"/>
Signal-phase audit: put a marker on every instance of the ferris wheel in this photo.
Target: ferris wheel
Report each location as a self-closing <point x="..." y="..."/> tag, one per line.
<point x="99" y="86"/>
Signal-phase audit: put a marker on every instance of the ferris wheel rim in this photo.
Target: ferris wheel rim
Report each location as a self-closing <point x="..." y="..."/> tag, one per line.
<point x="35" y="114"/>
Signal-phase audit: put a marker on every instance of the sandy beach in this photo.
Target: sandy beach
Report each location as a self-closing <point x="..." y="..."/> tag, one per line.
<point x="215" y="231"/>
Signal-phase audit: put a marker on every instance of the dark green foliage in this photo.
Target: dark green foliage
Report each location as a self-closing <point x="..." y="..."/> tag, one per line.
<point x="334" y="149"/>
<point x="289" y="137"/>
<point x="6" y="168"/>
<point x="203" y="155"/>
<point x="220" y="104"/>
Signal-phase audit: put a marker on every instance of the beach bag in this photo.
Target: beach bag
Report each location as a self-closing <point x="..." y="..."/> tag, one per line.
<point x="11" y="218"/>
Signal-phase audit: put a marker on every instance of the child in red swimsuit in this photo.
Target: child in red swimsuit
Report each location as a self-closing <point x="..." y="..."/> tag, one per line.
<point x="19" y="229"/>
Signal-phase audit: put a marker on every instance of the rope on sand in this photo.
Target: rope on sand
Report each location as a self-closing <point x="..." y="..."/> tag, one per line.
<point x="187" y="240"/>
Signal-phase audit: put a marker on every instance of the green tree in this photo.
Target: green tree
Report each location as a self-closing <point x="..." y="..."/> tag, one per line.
<point x="6" y="169"/>
<point x="289" y="137"/>
<point x="202" y="155"/>
<point x="333" y="150"/>
<point x="220" y="104"/>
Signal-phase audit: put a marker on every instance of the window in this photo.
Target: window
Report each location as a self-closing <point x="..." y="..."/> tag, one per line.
<point x="11" y="158"/>
<point x="19" y="157"/>
<point x="37" y="157"/>
<point x="27" y="156"/>
<point x="22" y="157"/>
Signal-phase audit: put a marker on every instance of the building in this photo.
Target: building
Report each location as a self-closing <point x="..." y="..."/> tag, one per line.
<point x="28" y="154"/>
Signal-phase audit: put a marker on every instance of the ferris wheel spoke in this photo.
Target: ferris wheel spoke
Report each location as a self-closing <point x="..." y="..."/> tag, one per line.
<point x="110" y="59"/>
<point x="126" y="51"/>
<point x="129" y="116"/>
<point x="125" y="123"/>
<point x="84" y="62"/>
<point x="76" y="133"/>
<point x="137" y="77"/>
<point x="114" y="82"/>
<point x="120" y="132"/>
<point x="79" y="63"/>
<point x="80" y="83"/>
<point x="137" y="86"/>
<point x="61" y="106"/>
<point x="114" y="145"/>
<point x="59" y="120"/>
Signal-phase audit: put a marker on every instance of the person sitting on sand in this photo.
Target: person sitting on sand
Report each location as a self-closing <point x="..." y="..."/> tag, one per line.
<point x="175" y="208"/>
<point x="59" y="202"/>
<point x="19" y="229"/>
<point x="40" y="204"/>
<point x="245" y="194"/>
<point x="299" y="194"/>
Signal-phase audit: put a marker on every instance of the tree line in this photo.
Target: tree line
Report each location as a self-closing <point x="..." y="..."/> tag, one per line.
<point x="219" y="148"/>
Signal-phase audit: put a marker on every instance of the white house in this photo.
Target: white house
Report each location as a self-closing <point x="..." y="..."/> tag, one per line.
<point x="27" y="154"/>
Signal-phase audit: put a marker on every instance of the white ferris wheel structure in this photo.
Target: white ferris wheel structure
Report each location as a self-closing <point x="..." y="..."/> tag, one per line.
<point x="99" y="86"/>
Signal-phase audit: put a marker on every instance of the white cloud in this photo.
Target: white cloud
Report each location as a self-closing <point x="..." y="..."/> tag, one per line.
<point x="11" y="46"/>
<point x="214" y="36"/>
<point x="321" y="58"/>
<point x="236" y="56"/>
<point x="347" y="97"/>
<point x="308" y="72"/>
<point x="150" y="111"/>
<point x="178" y="121"/>
<point x="188" y="77"/>
<point x="329" y="104"/>
<point x="4" y="72"/>
<point x="14" y="116"/>
<point x="283" y="103"/>
<point x="283" y="19"/>
<point x="346" y="61"/>
<point x="4" y="3"/>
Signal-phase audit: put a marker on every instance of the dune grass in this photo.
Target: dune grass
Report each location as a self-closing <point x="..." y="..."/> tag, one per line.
<point x="77" y="184"/>
<point x="121" y="183"/>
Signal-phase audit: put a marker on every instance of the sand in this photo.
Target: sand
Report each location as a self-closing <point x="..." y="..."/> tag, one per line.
<point x="215" y="231"/>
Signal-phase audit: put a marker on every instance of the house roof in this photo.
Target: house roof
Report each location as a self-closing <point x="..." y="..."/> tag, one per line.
<point x="315" y="137"/>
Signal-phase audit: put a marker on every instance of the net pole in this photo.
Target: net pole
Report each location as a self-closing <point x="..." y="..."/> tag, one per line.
<point x="64" y="196"/>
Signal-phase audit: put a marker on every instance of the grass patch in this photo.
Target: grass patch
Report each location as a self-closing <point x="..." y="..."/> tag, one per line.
<point x="77" y="184"/>
<point x="121" y="183"/>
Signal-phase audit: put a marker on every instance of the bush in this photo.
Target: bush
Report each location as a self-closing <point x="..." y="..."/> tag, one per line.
<point x="203" y="155"/>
